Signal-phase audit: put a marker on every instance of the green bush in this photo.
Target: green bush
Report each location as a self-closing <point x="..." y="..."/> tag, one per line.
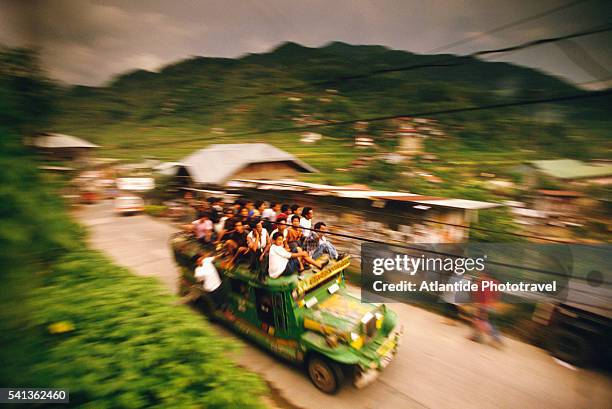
<point x="127" y="344"/>
<point x="71" y="319"/>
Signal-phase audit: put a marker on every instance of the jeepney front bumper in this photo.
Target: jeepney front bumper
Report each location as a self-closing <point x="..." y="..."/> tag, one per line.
<point x="385" y="354"/>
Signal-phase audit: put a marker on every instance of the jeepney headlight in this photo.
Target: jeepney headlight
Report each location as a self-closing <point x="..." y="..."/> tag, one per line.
<point x="356" y="340"/>
<point x="379" y="320"/>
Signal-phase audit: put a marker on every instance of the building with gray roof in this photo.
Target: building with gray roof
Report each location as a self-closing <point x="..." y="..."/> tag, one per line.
<point x="61" y="146"/>
<point x="219" y="163"/>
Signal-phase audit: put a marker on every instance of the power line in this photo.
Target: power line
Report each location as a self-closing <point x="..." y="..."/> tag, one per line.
<point x="564" y="98"/>
<point x="536" y="16"/>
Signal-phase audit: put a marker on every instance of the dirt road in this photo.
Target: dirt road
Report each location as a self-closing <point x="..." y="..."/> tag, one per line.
<point x="436" y="366"/>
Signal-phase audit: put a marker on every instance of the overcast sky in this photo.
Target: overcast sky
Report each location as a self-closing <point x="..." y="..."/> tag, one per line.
<point x="89" y="41"/>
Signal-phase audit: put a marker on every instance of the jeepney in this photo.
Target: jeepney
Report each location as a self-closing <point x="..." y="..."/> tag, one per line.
<point x="310" y="319"/>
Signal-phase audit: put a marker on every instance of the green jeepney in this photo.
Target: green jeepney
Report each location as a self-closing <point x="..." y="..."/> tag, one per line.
<point x="311" y="319"/>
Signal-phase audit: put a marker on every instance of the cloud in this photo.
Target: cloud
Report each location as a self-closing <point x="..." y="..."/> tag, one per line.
<point x="89" y="41"/>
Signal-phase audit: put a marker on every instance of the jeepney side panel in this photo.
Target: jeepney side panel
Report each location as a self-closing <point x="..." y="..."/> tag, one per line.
<point x="244" y="317"/>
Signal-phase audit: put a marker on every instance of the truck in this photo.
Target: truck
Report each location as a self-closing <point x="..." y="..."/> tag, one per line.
<point x="310" y="319"/>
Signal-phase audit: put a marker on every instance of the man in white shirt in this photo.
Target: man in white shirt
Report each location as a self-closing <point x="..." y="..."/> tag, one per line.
<point x="283" y="262"/>
<point x="207" y="273"/>
<point x="306" y="221"/>
<point x="270" y="213"/>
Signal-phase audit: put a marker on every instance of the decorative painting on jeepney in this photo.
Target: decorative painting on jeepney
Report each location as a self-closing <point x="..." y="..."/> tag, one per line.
<point x="285" y="347"/>
<point x="322" y="275"/>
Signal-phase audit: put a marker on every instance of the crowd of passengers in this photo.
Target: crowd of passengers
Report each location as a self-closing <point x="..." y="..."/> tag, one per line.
<point x="273" y="239"/>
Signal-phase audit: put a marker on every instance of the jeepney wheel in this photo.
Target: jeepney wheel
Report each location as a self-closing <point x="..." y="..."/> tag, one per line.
<point x="327" y="376"/>
<point x="570" y="347"/>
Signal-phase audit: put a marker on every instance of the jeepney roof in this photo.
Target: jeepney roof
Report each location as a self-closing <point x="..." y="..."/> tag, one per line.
<point x="307" y="280"/>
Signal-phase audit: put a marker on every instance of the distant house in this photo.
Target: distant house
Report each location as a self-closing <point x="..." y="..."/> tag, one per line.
<point x="559" y="202"/>
<point x="219" y="163"/>
<point x="60" y="146"/>
<point x="573" y="171"/>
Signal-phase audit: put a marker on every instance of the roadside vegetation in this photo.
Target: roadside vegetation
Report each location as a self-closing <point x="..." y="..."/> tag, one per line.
<point x="69" y="318"/>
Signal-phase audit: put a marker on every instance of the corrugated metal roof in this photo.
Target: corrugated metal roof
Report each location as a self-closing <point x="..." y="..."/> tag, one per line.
<point x="459" y="203"/>
<point x="217" y="163"/>
<point x="561" y="193"/>
<point x="572" y="169"/>
<point x="339" y="191"/>
<point x="58" y="141"/>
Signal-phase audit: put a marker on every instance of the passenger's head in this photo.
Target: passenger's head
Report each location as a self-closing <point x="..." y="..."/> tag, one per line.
<point x="307" y="212"/>
<point x="320" y="226"/>
<point x="285" y="208"/>
<point x="295" y="221"/>
<point x="257" y="225"/>
<point x="200" y="259"/>
<point x="244" y="212"/>
<point x="275" y="206"/>
<point x="278" y="239"/>
<point x="205" y="215"/>
<point x="249" y="204"/>
<point x="281" y="225"/>
<point x="229" y="212"/>
<point x="239" y="203"/>
<point x="260" y="205"/>
<point x="238" y="226"/>
<point x="295" y="208"/>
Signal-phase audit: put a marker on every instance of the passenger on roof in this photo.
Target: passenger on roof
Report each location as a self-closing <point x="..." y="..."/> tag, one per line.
<point x="258" y="242"/>
<point x="306" y="221"/>
<point x="258" y="208"/>
<point x="243" y="215"/>
<point x="271" y="212"/>
<point x="203" y="228"/>
<point x="281" y="227"/>
<point x="283" y="262"/>
<point x="251" y="207"/>
<point x="236" y="244"/>
<point x="224" y="224"/>
<point x="324" y="246"/>
<point x="295" y="234"/>
<point x="295" y="211"/>
<point x="238" y="204"/>
<point x="284" y="214"/>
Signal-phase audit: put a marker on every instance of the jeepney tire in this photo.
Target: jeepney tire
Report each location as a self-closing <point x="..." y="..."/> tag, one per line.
<point x="570" y="347"/>
<point x="325" y="375"/>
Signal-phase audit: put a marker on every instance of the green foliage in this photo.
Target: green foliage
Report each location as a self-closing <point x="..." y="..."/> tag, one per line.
<point x="69" y="318"/>
<point x="493" y="226"/>
<point x="378" y="172"/>
<point x="131" y="345"/>
<point x="26" y="95"/>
